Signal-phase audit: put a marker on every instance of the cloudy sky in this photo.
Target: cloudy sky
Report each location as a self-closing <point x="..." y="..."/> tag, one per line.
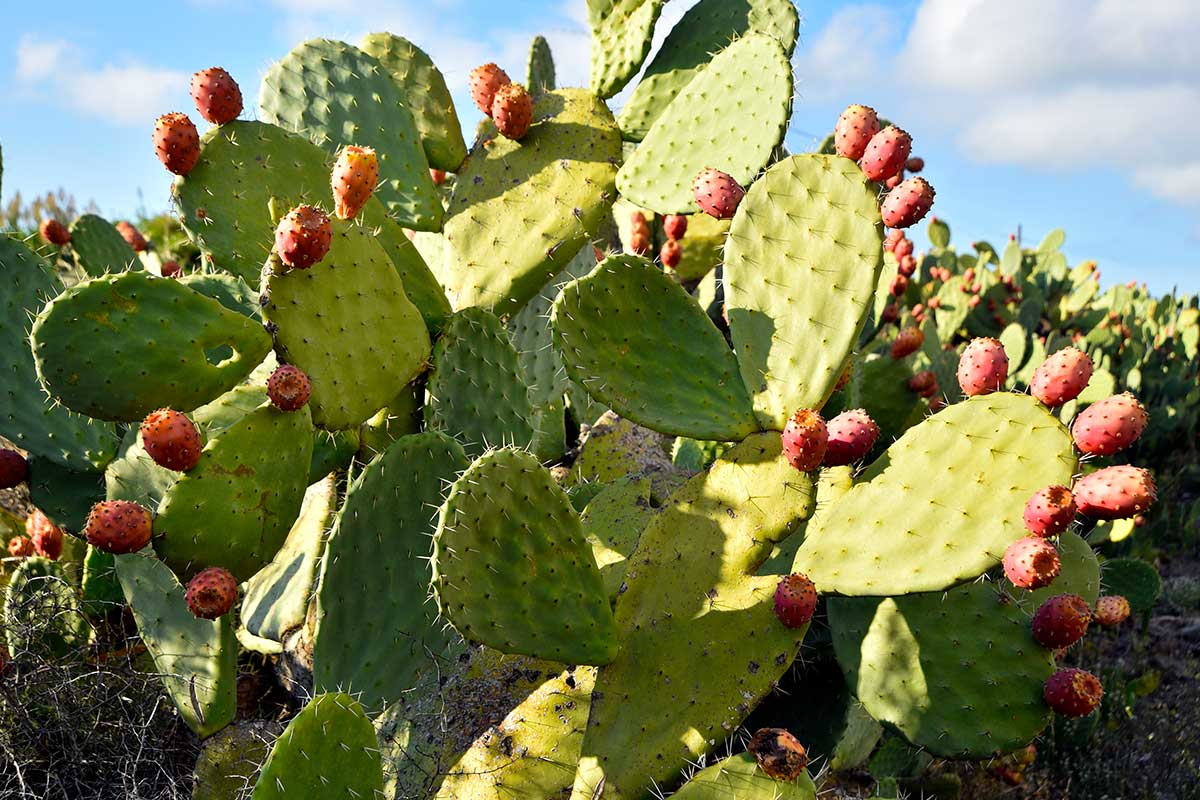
<point x="1080" y="114"/>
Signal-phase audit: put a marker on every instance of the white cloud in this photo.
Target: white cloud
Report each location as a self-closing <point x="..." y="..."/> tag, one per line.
<point x="1178" y="183"/>
<point x="37" y="58"/>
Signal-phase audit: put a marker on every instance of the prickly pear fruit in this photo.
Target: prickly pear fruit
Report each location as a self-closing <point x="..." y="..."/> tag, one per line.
<point x="908" y="341"/>
<point x="1031" y="562"/>
<point x="805" y="438"/>
<point x="1114" y="492"/>
<point x="217" y="95"/>
<point x="983" y="367"/>
<point x="288" y="388"/>
<point x="1061" y="377"/>
<point x="1110" y="425"/>
<point x="14" y="469"/>
<point x="47" y="538"/>
<point x="908" y="265"/>
<point x="303" y="236"/>
<point x="717" y="194"/>
<point x="118" y="527"/>
<point x="854" y="130"/>
<point x="639" y="243"/>
<point x="437" y="176"/>
<point x="1073" y="692"/>
<point x="512" y="110"/>
<point x="924" y="383"/>
<point x="852" y="434"/>
<point x="891" y="240"/>
<point x="485" y="81"/>
<point x="20" y="547"/>
<point x="779" y="754"/>
<point x="176" y="142"/>
<point x="170" y="269"/>
<point x="1112" y="609"/>
<point x="1061" y="621"/>
<point x="795" y="600"/>
<point x="908" y="203"/>
<point x="1050" y="511"/>
<point x="54" y="232"/>
<point x="211" y="593"/>
<point x="886" y="153"/>
<point x="899" y="286"/>
<point x="670" y="254"/>
<point x="914" y="164"/>
<point x="171" y="439"/>
<point x="903" y="248"/>
<point x="355" y="176"/>
<point x="132" y="236"/>
<point x="675" y="226"/>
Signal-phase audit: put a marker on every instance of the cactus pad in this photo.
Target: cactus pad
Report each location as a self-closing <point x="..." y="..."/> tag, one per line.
<point x="228" y="290"/>
<point x="739" y="778"/>
<point x="613" y="521"/>
<point x="622" y="32"/>
<point x="99" y="248"/>
<point x="41" y="612"/>
<point x="539" y="69"/>
<point x="1079" y="574"/>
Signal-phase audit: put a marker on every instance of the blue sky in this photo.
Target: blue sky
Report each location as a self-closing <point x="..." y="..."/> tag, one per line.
<point x="1078" y="114"/>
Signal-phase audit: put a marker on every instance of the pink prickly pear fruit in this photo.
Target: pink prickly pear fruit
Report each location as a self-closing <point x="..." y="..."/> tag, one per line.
<point x="908" y="265"/>
<point x="717" y="194"/>
<point x="915" y="164"/>
<point x="485" y="81"/>
<point x="288" y="388"/>
<point x="639" y="243"/>
<point x="118" y="527"/>
<point x="795" y="600"/>
<point x="885" y="153"/>
<point x="217" y="95"/>
<point x="211" y="593"/>
<point x="805" y="438"/>
<point x="171" y="439"/>
<point x="1031" y="562"/>
<point x="675" y="226"/>
<point x="132" y="236"/>
<point x="1111" y="610"/>
<point x="303" y="236"/>
<point x="170" y="269"/>
<point x="893" y="182"/>
<point x="437" y="176"/>
<point x="854" y="130"/>
<point x="891" y="313"/>
<point x="903" y="248"/>
<point x="47" y="538"/>
<point x="670" y="254"/>
<point x="176" y="142"/>
<point x="899" y="285"/>
<point x="969" y="275"/>
<point x="54" y="232"/>
<point x="512" y="110"/>
<point x="14" y="469"/>
<point x="1061" y="621"/>
<point x="1073" y="692"/>
<point x="1110" y="425"/>
<point x="891" y="240"/>
<point x="638" y="224"/>
<point x="1114" y="492"/>
<point x="20" y="547"/>
<point x="1050" y="511"/>
<point x="852" y="434"/>
<point x="935" y="302"/>
<point x="779" y="754"/>
<point x="924" y="383"/>
<point x="908" y="203"/>
<point x="908" y="341"/>
<point x="983" y="367"/>
<point x="973" y="302"/>
<point x="354" y="178"/>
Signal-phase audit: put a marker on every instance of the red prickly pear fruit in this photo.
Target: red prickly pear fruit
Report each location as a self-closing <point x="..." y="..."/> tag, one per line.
<point x="170" y="269"/>
<point x="132" y="236"/>
<point x="1110" y="425"/>
<point x="176" y="142"/>
<point x="1061" y="377"/>
<point x="675" y="226"/>
<point x="903" y="248"/>
<point x="437" y="176"/>
<point x="638" y="224"/>
<point x="908" y="265"/>
<point x="288" y="388"/>
<point x="171" y="439"/>
<point x="354" y="178"/>
<point x="118" y="527"/>
<point x="969" y="275"/>
<point x="1031" y="562"/>
<point x="885" y="153"/>
<point x="854" y="130"/>
<point x="893" y="182"/>
<point x="14" y="469"/>
<point x="779" y="754"/>
<point x="218" y="97"/>
<point x="303" y="236"/>
<point x="899" y="285"/>
<point x="512" y="109"/>
<point x="908" y="341"/>
<point x="485" y="81"/>
<point x="983" y="367"/>
<point x="973" y="302"/>
<point x="891" y="240"/>
<point x="891" y="312"/>
<point x="211" y="593"/>
<point x="1061" y="621"/>
<point x="639" y="243"/>
<point x="670" y="254"/>
<point x="805" y="438"/>
<point x="54" y="232"/>
<point x="1050" y="511"/>
<point x="20" y="547"/>
<point x="717" y="194"/>
<point x="1073" y="692"/>
<point x="852" y="434"/>
<point x="1114" y="492"/>
<point x="908" y="203"/>
<point x="915" y="164"/>
<point x="924" y="383"/>
<point x="918" y="310"/>
<point x="1111" y="610"/>
<point x="795" y="600"/>
<point x="598" y="253"/>
<point x="47" y="538"/>
<point x="935" y="302"/>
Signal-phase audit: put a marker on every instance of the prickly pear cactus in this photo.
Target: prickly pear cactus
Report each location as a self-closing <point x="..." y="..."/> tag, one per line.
<point x="98" y="247"/>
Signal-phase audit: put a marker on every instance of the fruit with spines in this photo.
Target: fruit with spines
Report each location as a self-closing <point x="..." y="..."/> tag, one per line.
<point x="805" y="438"/>
<point x="675" y="226"/>
<point x="1031" y="562"/>
<point x="485" y="81"/>
<point x="438" y="176"/>
<point x="54" y="232"/>
<point x="170" y="269"/>
<point x="852" y="434"/>
<point x="855" y="128"/>
<point x="907" y="203"/>
<point x="217" y="96"/>
<point x="924" y="383"/>
<point x="46" y="537"/>
<point x="795" y="600"/>
<point x="132" y="236"/>
<point x="983" y="367"/>
<point x="302" y="237"/>
<point x="14" y="468"/>
<point x="886" y="153"/>
<point x="717" y="193"/>
<point x="1061" y="621"/>
<point x="118" y="527"/>
<point x="1109" y="425"/>
<point x="1114" y="492"/>
<point x="1073" y="692"/>
<point x="512" y="111"/>
<point x="1111" y="610"/>
<point x="671" y="253"/>
<point x="171" y="439"/>
<point x="1050" y="511"/>
<point x="20" y="547"/>
<point x="903" y="248"/>
<point x="899" y="285"/>
<point x="176" y="142"/>
<point x="779" y="754"/>
<point x="288" y="387"/>
<point x="908" y="341"/>
<point x="211" y="593"/>
<point x="1061" y="377"/>
<point x="354" y="178"/>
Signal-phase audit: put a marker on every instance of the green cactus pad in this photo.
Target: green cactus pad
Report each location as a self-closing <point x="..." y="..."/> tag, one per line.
<point x="898" y="532"/>
<point x="27" y="418"/>
<point x="804" y="255"/>
<point x="423" y="91"/>
<point x="956" y="672"/>
<point x="64" y="495"/>
<point x="613" y="521"/>
<point x="134" y="476"/>
<point x="99" y="587"/>
<point x="1135" y="580"/>
<point x="99" y="248"/>
<point x="511" y="568"/>
<point x="637" y="342"/>
<point x="1079" y="574"/>
<point x="377" y="630"/>
<point x="521" y="210"/>
<point x="705" y="28"/>
<point x="41" y="611"/>
<point x="338" y="95"/>
<point x="235" y="507"/>
<point x="700" y="645"/>
<point x="228" y="290"/>
<point x="196" y="658"/>
<point x="832" y="484"/>
<point x="729" y="117"/>
<point x="229" y="760"/>
<point x="539" y="70"/>
<point x="739" y="778"/>
<point x="400" y="417"/>
<point x="342" y="318"/>
<point x="327" y="752"/>
<point x="477" y="389"/>
<point x="879" y="386"/>
<point x="703" y="248"/>
<point x="121" y="346"/>
<point x="622" y="32"/>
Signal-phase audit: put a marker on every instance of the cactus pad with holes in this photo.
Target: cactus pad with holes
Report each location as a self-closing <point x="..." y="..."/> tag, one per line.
<point x="99" y="248"/>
